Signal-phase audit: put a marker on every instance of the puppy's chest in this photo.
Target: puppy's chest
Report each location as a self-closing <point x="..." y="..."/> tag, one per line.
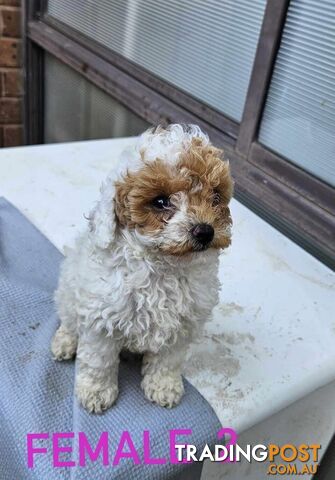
<point x="165" y="294"/>
<point x="164" y="307"/>
<point x="152" y="308"/>
<point x="168" y="297"/>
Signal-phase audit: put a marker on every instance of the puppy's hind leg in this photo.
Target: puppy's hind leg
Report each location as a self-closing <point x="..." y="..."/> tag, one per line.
<point x="64" y="344"/>
<point x="65" y="341"/>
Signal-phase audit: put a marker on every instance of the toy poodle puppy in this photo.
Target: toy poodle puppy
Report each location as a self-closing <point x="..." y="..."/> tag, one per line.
<point x="143" y="277"/>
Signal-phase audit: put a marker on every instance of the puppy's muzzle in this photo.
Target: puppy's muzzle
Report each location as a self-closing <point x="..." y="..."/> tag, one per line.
<point x="202" y="235"/>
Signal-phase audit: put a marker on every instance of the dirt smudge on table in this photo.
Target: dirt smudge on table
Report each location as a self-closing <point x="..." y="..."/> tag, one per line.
<point x="230" y="308"/>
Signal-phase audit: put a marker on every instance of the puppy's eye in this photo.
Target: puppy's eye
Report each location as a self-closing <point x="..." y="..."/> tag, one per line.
<point x="216" y="198"/>
<point x="161" y="202"/>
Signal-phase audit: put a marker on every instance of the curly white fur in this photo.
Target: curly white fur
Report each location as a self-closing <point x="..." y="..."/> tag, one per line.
<point x="114" y="293"/>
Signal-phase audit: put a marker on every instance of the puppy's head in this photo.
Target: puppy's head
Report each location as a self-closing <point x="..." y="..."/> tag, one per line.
<point x="176" y="199"/>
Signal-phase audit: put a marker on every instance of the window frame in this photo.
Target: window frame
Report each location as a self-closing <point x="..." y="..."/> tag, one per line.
<point x="291" y="199"/>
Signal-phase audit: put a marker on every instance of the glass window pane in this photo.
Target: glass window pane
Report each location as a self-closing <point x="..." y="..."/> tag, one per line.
<point x="204" y="47"/>
<point x="75" y="109"/>
<point x="299" y="116"/>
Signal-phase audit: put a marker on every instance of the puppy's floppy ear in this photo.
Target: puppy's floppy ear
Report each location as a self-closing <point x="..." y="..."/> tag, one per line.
<point x="102" y="219"/>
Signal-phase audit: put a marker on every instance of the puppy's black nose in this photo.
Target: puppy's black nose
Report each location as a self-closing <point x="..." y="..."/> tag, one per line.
<point x="203" y="233"/>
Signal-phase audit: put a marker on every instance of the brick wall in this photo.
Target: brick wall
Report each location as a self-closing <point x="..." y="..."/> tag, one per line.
<point x="11" y="131"/>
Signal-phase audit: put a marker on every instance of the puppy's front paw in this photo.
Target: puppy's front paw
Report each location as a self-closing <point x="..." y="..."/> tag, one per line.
<point x="64" y="344"/>
<point x="96" y="400"/>
<point x="163" y="388"/>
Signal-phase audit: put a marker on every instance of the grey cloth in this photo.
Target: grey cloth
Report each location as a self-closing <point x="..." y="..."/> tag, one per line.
<point x="36" y="393"/>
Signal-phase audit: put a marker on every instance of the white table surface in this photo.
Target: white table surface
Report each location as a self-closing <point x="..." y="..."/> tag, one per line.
<point x="272" y="338"/>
